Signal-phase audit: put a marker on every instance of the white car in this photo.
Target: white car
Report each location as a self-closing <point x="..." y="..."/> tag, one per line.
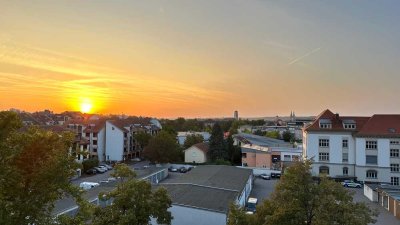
<point x="103" y="167"/>
<point x="88" y="185"/>
<point x="107" y="166"/>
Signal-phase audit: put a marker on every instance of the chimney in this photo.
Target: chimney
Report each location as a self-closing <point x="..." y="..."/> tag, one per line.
<point x="337" y="116"/>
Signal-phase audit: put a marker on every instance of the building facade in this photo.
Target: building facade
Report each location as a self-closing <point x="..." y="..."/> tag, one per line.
<point x="365" y="148"/>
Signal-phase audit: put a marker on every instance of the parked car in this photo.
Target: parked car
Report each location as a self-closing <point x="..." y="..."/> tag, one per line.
<point x="109" y="167"/>
<point x="251" y="205"/>
<point x="172" y="169"/>
<point x="350" y="183"/>
<point x="275" y="175"/>
<point x="103" y="167"/>
<point x="136" y="160"/>
<point x="91" y="171"/>
<point x="265" y="176"/>
<point x="99" y="170"/>
<point x="183" y="170"/>
<point x="88" y="185"/>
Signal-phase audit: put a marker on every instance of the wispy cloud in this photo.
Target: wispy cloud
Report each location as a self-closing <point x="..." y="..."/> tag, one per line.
<point x="43" y="72"/>
<point x="304" y="56"/>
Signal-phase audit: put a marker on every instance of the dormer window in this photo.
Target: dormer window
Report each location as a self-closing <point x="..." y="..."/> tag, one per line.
<point x="325" y="124"/>
<point x="349" y="124"/>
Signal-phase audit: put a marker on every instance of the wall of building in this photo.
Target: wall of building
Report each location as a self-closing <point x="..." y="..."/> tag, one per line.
<point x="114" y="142"/>
<point x="101" y="144"/>
<point x="186" y="215"/>
<point x="370" y="193"/>
<point x="193" y="154"/>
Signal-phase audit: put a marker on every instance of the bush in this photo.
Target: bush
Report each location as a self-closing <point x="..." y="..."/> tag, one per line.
<point x="222" y="162"/>
<point x="89" y="163"/>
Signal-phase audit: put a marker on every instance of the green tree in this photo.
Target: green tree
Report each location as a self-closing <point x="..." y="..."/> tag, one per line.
<point x="142" y="139"/>
<point x="234" y="152"/>
<point x="193" y="139"/>
<point x="298" y="199"/>
<point x="217" y="149"/>
<point x="287" y="136"/>
<point x="237" y="216"/>
<point x="273" y="134"/>
<point x="36" y="171"/>
<point x="134" y="202"/>
<point x="162" y="148"/>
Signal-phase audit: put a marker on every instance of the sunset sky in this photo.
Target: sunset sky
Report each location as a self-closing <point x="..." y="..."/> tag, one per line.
<point x="201" y="58"/>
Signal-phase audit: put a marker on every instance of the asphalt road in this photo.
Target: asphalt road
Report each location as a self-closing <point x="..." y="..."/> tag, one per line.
<point x="263" y="188"/>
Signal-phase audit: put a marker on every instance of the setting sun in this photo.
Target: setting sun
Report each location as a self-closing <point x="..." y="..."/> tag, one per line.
<point x="86" y="106"/>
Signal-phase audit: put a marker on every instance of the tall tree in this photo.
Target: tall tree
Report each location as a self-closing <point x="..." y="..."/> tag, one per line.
<point x="298" y="199"/>
<point x="134" y="202"/>
<point x="193" y="139"/>
<point x="287" y="136"/>
<point x="143" y="139"/>
<point x="217" y="150"/>
<point x="37" y="168"/>
<point x="162" y="148"/>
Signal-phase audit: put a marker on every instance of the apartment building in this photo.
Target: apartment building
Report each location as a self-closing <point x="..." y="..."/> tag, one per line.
<point x="365" y="148"/>
<point x="112" y="139"/>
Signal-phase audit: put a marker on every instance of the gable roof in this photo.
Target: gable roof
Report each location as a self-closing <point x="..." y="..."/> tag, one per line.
<point x="336" y="121"/>
<point x="382" y="126"/>
<point x="201" y="146"/>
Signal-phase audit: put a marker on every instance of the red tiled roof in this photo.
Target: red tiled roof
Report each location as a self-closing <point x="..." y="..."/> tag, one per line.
<point x="337" y="122"/>
<point x="382" y="125"/>
<point x="202" y="146"/>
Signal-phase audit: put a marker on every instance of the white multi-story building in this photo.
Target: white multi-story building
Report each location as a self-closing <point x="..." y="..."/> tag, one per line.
<point x="112" y="139"/>
<point x="365" y="148"/>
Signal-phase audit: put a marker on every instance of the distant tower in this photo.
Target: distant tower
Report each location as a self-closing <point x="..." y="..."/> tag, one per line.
<point x="236" y="115"/>
<point x="292" y="116"/>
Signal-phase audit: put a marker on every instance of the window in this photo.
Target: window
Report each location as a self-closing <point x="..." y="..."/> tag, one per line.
<point x="345" y="157"/>
<point x="371" y="159"/>
<point x="324" y="170"/>
<point x="349" y="126"/>
<point x="87" y="134"/>
<point x="394" y="153"/>
<point x="324" y="143"/>
<point x="94" y="149"/>
<point x="394" y="167"/>
<point x="323" y="156"/>
<point x="94" y="134"/>
<point x="244" y="155"/>
<point x="287" y="158"/>
<point x="94" y="142"/>
<point x="372" y="174"/>
<point x="345" y="171"/>
<point x="325" y="125"/>
<point x="371" y="145"/>
<point x="194" y="154"/>
<point x="345" y="143"/>
<point x="394" y="142"/>
<point x="394" y="181"/>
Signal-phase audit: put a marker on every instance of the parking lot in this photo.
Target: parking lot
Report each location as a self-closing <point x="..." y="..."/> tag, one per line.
<point x="262" y="189"/>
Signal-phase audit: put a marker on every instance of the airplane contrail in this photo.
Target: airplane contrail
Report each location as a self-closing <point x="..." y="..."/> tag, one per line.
<point x="304" y="56"/>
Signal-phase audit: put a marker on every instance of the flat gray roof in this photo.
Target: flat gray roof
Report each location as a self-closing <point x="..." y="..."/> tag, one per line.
<point x="210" y="187"/>
<point x="201" y="197"/>
<point x="262" y="141"/>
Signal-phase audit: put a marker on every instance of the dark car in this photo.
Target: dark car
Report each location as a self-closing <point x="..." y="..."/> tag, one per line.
<point x="275" y="175"/>
<point x="183" y="170"/>
<point x="91" y="171"/>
